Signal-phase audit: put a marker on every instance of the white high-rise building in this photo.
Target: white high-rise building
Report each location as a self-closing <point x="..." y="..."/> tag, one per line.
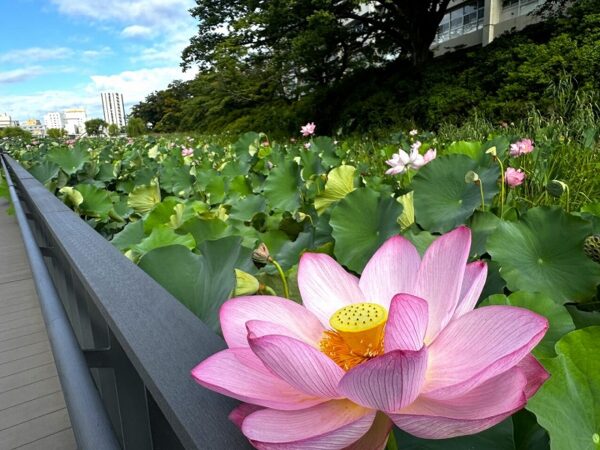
<point x="114" y="108"/>
<point x="55" y="120"/>
<point x="6" y="121"/>
<point x="75" y="121"/>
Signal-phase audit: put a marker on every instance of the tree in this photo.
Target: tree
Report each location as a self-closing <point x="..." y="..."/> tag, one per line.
<point x="95" y="127"/>
<point x="15" y="132"/>
<point x="161" y="103"/>
<point x="135" y="127"/>
<point x="113" y="130"/>
<point x="56" y="133"/>
<point x="314" y="40"/>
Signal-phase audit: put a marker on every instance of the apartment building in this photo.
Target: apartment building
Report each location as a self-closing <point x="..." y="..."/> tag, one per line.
<point x="75" y="121"/>
<point x="35" y="127"/>
<point x="6" y="121"/>
<point x="113" y="108"/>
<point x="55" y="120"/>
<point x="478" y="22"/>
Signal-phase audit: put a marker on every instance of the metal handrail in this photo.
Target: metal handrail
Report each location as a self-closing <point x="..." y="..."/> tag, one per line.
<point x="89" y="420"/>
<point x="138" y="342"/>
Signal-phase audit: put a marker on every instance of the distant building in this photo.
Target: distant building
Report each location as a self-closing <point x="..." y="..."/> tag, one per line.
<point x="114" y="108"/>
<point x="35" y="127"/>
<point x="479" y="22"/>
<point x="55" y="120"/>
<point x="75" y="121"/>
<point x="6" y="121"/>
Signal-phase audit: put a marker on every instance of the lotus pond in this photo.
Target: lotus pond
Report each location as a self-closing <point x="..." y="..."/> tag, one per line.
<point x="510" y="223"/>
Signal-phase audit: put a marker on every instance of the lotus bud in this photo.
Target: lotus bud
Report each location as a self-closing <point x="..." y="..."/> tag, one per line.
<point x="492" y="151"/>
<point x="471" y="177"/>
<point x="245" y="284"/>
<point x="261" y="254"/>
<point x="556" y="188"/>
<point x="591" y="247"/>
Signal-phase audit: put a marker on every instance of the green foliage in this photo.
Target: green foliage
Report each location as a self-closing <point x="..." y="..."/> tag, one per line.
<point x="567" y="404"/>
<point x="95" y="127"/>
<point x="15" y="132"/>
<point x="113" y="130"/>
<point x="56" y="133"/>
<point x="135" y="127"/>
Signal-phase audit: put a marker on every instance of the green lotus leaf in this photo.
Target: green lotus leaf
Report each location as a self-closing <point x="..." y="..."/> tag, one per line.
<point x="482" y="225"/>
<point x="131" y="235"/>
<point x="325" y="147"/>
<point x="468" y="148"/>
<point x="239" y="185"/>
<point x="160" y="214"/>
<point x="176" y="180"/>
<point x="543" y="252"/>
<point x="281" y="188"/>
<point x="443" y="200"/>
<point x="201" y="282"/>
<point x="96" y="202"/>
<point x="408" y="210"/>
<point x="244" y="209"/>
<point x="143" y="198"/>
<point x="361" y="222"/>
<point x="163" y="236"/>
<point x="69" y="160"/>
<point x="558" y="317"/>
<point x="567" y="403"/>
<point x="215" y="188"/>
<point x="340" y="182"/>
<point x="420" y="239"/>
<point x="311" y="164"/>
<point x="205" y="229"/>
<point x="71" y="196"/>
<point x="45" y="171"/>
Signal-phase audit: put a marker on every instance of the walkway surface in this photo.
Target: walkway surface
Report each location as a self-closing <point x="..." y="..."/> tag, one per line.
<point x="33" y="414"/>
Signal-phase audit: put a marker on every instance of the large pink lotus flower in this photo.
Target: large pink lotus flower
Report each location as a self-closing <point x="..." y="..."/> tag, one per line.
<point x="514" y="177"/>
<point x="400" y="345"/>
<point x="308" y="129"/>
<point x="400" y="162"/>
<point x="521" y="147"/>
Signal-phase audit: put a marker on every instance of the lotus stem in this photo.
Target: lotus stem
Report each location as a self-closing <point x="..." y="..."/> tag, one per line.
<point x="286" y="290"/>
<point x="478" y="182"/>
<point x="502" y="191"/>
<point x="568" y="197"/>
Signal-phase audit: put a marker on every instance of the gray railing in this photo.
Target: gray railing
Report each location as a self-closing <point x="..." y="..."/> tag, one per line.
<point x="125" y="353"/>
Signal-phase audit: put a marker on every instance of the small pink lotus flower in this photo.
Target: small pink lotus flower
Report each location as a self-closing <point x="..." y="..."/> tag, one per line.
<point x="307" y="145"/>
<point x="187" y="151"/>
<point x="521" y="147"/>
<point x="308" y="129"/>
<point x="265" y="143"/>
<point x="415" y="146"/>
<point x="429" y="155"/>
<point x="400" y="345"/>
<point x="514" y="177"/>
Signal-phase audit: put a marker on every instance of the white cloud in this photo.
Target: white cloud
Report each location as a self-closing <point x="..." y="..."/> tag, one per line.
<point x="18" y="75"/>
<point x="35" y="54"/>
<point x="136" y="31"/>
<point x="134" y="85"/>
<point x="97" y="54"/>
<point x="141" y="12"/>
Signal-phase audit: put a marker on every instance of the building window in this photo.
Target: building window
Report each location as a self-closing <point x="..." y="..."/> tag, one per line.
<point x="464" y="19"/>
<point x="515" y="8"/>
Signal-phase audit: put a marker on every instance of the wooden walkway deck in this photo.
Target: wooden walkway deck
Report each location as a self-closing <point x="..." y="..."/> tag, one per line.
<point x="33" y="414"/>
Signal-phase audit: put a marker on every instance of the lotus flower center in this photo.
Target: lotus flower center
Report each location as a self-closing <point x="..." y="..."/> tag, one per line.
<point x="357" y="334"/>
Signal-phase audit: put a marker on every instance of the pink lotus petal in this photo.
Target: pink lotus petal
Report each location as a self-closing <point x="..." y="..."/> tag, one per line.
<point x="325" y="286"/>
<point x="388" y="382"/>
<point x="377" y="436"/>
<point x="330" y="426"/>
<point x="473" y="283"/>
<point x="238" y="415"/>
<point x="238" y="373"/>
<point x="391" y="270"/>
<point x="478" y="346"/>
<point x="301" y="365"/>
<point x="407" y="323"/>
<point x="484" y="406"/>
<point x="298" y="320"/>
<point x="535" y="373"/>
<point x="440" y="277"/>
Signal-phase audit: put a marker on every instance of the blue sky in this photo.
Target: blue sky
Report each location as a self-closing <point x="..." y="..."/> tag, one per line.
<point x="59" y="54"/>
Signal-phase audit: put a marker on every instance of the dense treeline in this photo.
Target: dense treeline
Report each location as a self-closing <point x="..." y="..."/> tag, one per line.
<point x="501" y="82"/>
